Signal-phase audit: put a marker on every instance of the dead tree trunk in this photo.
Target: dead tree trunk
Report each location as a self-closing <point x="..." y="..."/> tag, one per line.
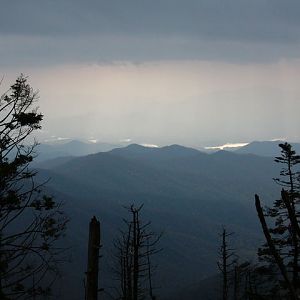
<point x="226" y="261"/>
<point x="93" y="260"/>
<point x="134" y="249"/>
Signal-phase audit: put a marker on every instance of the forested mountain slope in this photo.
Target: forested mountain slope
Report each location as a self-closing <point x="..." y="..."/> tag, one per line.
<point x="187" y="194"/>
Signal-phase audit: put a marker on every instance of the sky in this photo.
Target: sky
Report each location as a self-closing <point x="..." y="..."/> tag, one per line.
<point x="192" y="72"/>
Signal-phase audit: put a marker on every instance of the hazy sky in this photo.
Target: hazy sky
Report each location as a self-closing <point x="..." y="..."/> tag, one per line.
<point x="195" y="72"/>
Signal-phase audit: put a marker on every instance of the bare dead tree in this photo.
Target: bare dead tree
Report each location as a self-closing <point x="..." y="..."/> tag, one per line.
<point x="227" y="259"/>
<point x="134" y="249"/>
<point x="93" y="260"/>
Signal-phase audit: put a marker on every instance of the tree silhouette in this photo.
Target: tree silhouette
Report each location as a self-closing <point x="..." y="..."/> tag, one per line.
<point x="226" y="263"/>
<point x="134" y="249"/>
<point x="30" y="221"/>
<point x="281" y="252"/>
<point x="289" y="180"/>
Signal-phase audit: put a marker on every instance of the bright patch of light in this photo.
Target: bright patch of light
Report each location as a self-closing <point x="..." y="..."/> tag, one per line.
<point x="149" y="145"/>
<point x="228" y="145"/>
<point x="94" y="141"/>
<point x="62" y="138"/>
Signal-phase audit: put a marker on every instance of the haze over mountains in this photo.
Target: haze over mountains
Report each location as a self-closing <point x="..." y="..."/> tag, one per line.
<point x="265" y="148"/>
<point x="79" y="148"/>
<point x="71" y="148"/>
<point x="187" y="194"/>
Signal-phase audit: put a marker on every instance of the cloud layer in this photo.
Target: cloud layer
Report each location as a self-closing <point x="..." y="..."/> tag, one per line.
<point x="270" y="20"/>
<point x="47" y="32"/>
<point x="172" y="71"/>
<point x="191" y="102"/>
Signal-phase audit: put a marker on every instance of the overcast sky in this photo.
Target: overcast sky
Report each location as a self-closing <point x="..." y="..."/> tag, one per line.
<point x="194" y="72"/>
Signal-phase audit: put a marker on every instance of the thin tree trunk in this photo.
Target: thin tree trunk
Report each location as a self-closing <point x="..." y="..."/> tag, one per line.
<point x="149" y="272"/>
<point x="224" y="257"/>
<point x="135" y="255"/>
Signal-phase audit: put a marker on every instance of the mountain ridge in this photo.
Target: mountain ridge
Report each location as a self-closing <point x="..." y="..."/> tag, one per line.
<point x="188" y="195"/>
<point x="265" y="148"/>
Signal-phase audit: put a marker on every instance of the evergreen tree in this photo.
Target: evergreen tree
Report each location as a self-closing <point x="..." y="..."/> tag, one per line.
<point x="282" y="217"/>
<point x="30" y="221"/>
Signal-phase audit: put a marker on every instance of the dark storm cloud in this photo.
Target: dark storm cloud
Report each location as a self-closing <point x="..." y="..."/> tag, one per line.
<point x="167" y="70"/>
<point x="36" y="51"/>
<point x="255" y="20"/>
<point x="35" y="32"/>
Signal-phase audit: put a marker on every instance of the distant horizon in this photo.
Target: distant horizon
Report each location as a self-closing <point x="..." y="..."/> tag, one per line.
<point x="161" y="72"/>
<point x="126" y="142"/>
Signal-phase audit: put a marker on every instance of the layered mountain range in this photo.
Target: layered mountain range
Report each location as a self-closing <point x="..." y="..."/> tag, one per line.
<point x="187" y="194"/>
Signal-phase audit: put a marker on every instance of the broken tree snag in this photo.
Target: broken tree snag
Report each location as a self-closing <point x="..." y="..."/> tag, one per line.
<point x="93" y="260"/>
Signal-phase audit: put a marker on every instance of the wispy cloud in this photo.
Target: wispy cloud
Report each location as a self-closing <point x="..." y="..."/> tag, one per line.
<point x="278" y="139"/>
<point x="125" y="140"/>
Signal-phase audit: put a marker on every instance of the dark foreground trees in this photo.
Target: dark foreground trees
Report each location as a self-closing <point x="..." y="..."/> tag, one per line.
<point x="280" y="224"/>
<point x="238" y="280"/>
<point x="30" y="222"/>
<point x="276" y="274"/>
<point x="134" y="250"/>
